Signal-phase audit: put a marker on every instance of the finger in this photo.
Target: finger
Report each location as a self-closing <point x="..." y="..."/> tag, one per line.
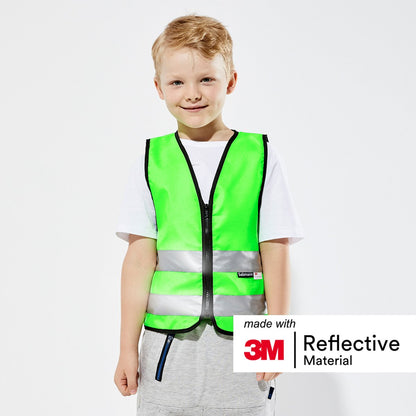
<point x="259" y="376"/>
<point x="121" y="383"/>
<point x="132" y="382"/>
<point x="268" y="376"/>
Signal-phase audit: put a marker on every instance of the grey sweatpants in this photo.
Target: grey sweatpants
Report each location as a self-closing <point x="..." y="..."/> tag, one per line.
<point x="198" y="378"/>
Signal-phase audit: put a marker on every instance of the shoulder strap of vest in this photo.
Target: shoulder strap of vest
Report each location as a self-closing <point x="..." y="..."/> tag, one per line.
<point x="146" y="163"/>
<point x="265" y="148"/>
<point x="146" y="159"/>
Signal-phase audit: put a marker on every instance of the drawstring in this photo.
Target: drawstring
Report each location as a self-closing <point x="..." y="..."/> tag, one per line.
<point x="163" y="354"/>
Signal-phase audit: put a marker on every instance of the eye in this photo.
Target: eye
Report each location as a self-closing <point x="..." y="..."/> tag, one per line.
<point x="174" y="82"/>
<point x="207" y="78"/>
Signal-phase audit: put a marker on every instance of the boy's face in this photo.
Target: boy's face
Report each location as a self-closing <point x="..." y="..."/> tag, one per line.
<point x="188" y="80"/>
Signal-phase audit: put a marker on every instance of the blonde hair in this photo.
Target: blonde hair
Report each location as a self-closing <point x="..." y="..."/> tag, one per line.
<point x="205" y="34"/>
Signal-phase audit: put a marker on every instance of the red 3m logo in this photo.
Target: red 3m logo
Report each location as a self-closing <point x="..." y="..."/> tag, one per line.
<point x="262" y="349"/>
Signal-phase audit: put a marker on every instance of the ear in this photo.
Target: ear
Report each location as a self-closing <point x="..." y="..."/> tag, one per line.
<point x="232" y="82"/>
<point x="159" y="90"/>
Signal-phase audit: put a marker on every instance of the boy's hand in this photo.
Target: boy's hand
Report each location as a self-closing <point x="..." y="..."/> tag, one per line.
<point x="266" y="376"/>
<point x="126" y="375"/>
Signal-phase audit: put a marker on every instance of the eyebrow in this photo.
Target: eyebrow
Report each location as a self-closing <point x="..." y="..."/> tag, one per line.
<point x="211" y="74"/>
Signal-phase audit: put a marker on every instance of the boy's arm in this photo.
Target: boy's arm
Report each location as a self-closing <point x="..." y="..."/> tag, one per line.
<point x="136" y="277"/>
<point x="275" y="261"/>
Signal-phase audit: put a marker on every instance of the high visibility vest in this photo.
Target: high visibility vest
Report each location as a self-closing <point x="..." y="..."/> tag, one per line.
<point x="208" y="258"/>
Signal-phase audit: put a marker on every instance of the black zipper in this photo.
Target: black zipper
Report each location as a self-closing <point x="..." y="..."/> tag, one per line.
<point x="207" y="307"/>
<point x="207" y="310"/>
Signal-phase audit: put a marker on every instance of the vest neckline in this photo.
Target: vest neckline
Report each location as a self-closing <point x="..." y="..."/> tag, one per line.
<point x="204" y="143"/>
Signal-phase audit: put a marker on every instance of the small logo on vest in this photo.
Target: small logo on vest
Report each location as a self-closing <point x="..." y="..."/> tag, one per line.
<point x="256" y="275"/>
<point x="245" y="274"/>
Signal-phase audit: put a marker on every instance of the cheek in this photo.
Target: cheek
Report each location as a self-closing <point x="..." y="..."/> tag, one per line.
<point x="176" y="97"/>
<point x="217" y="93"/>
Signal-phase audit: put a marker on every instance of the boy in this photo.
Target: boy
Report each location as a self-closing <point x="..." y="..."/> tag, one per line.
<point x="208" y="217"/>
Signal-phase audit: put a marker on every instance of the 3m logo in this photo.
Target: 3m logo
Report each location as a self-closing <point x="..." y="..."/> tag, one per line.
<point x="262" y="349"/>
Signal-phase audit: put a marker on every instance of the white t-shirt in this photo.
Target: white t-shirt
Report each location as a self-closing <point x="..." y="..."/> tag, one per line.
<point x="278" y="216"/>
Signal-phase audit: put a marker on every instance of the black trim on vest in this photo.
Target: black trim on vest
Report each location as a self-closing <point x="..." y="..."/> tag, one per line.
<point x="146" y="173"/>
<point x="265" y="140"/>
<point x="146" y="164"/>
<point x="163" y="355"/>
<point x="146" y="170"/>
<point x="173" y="331"/>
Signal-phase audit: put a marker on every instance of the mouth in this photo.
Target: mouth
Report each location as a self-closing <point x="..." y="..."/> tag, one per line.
<point x="194" y="108"/>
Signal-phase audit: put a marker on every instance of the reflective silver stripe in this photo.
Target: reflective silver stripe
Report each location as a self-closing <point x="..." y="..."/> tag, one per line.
<point x="238" y="305"/>
<point x="191" y="305"/>
<point x="223" y="261"/>
<point x="174" y="304"/>
<point x="236" y="261"/>
<point x="179" y="261"/>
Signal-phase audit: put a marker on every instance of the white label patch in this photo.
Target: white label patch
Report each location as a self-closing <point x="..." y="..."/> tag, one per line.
<point x="258" y="275"/>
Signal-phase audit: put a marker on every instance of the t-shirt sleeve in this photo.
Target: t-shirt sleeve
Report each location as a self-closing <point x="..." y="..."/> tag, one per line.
<point x="278" y="215"/>
<point x="136" y="215"/>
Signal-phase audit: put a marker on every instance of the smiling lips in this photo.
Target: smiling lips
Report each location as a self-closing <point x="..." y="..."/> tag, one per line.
<point x="194" y="108"/>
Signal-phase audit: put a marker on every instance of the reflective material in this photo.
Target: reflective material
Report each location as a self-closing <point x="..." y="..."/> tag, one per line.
<point x="174" y="304"/>
<point x="223" y="261"/>
<point x="239" y="305"/>
<point x="179" y="261"/>
<point x="191" y="305"/>
<point x="236" y="261"/>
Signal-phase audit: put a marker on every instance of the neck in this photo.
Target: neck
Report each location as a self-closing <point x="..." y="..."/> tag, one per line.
<point x="209" y="133"/>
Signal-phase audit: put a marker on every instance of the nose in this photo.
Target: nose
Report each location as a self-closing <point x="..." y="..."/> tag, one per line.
<point x="192" y="93"/>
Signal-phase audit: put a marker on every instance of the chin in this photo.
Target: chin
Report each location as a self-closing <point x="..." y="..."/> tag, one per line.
<point x="195" y="125"/>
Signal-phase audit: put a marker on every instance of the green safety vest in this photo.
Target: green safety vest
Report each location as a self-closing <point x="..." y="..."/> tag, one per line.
<point x="208" y="258"/>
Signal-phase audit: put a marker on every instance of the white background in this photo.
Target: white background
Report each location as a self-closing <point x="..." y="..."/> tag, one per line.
<point x="332" y="84"/>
